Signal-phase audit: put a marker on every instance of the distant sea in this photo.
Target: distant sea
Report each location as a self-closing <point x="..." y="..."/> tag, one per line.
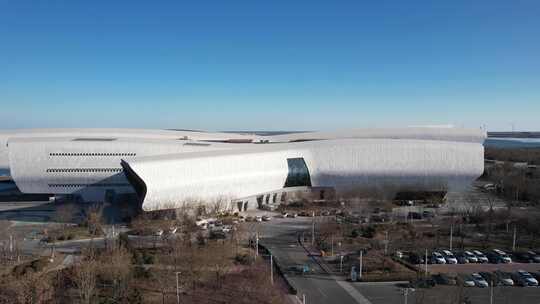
<point x="508" y="142"/>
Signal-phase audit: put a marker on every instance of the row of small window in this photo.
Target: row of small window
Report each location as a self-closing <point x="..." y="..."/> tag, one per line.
<point x="84" y="170"/>
<point x="89" y="185"/>
<point x="92" y="154"/>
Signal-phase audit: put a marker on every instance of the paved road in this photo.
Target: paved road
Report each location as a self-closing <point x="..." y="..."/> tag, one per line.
<point x="280" y="236"/>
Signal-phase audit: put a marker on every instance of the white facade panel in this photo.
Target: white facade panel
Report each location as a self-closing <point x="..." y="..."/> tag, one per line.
<point x="342" y="164"/>
<point x="182" y="166"/>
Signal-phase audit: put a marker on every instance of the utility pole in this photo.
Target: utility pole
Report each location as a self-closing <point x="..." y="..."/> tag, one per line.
<point x="360" y="266"/>
<point x="386" y="244"/>
<point x="332" y="245"/>
<point x="304" y="298"/>
<point x="514" y="239"/>
<point x="313" y="230"/>
<point x="491" y="293"/>
<point x="451" y="234"/>
<point x="425" y="261"/>
<point x="271" y="270"/>
<point x="177" y="288"/>
<point x="405" y="293"/>
<point x="341" y="263"/>
<point x="256" y="245"/>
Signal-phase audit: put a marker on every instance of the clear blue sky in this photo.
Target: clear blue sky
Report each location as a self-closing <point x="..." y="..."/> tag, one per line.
<point x="269" y="65"/>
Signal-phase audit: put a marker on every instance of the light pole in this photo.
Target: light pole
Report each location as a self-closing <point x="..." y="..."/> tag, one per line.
<point x="425" y="261"/>
<point x="405" y="294"/>
<point x="341" y="263"/>
<point x="271" y="270"/>
<point x="491" y="293"/>
<point x="256" y="245"/>
<point x="386" y="244"/>
<point x="332" y="245"/>
<point x="177" y="287"/>
<point x="313" y="230"/>
<point x="451" y="234"/>
<point x="361" y="264"/>
<point x="514" y="239"/>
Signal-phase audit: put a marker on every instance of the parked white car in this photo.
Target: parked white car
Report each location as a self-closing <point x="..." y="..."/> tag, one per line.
<point x="437" y="258"/>
<point x="449" y="257"/>
<point x="479" y="280"/>
<point x="467" y="281"/>
<point x="527" y="278"/>
<point x="503" y="256"/>
<point x="482" y="258"/>
<point x="471" y="257"/>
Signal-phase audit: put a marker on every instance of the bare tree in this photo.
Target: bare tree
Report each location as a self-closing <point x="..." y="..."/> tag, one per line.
<point x="94" y="219"/>
<point x="65" y="213"/>
<point x="116" y="268"/>
<point x="84" y="277"/>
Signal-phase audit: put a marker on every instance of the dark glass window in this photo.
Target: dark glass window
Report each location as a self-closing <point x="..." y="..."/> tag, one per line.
<point x="298" y="173"/>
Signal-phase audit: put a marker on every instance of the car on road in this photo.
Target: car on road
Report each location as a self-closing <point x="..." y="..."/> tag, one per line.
<point x="471" y="257"/>
<point x="283" y="215"/>
<point x="437" y="258"/>
<point x="504" y="278"/>
<point x="479" y="280"/>
<point x="466" y="280"/>
<point x="524" y="278"/>
<point x="449" y="257"/>
<point x="258" y="218"/>
<point x="292" y="215"/>
<point x="266" y="218"/>
<point x="299" y="269"/>
<point x="480" y="256"/>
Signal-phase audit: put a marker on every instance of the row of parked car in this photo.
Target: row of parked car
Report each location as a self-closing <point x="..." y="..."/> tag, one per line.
<point x="485" y="279"/>
<point x="494" y="256"/>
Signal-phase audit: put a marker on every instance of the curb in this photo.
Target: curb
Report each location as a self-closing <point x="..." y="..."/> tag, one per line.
<point x="292" y="289"/>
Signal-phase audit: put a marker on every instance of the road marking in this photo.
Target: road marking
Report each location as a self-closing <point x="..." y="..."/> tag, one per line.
<point x="355" y="294"/>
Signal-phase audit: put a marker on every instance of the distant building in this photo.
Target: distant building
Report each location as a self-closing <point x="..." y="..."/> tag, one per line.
<point x="165" y="169"/>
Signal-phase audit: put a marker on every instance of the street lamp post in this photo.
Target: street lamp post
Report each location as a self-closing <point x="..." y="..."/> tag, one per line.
<point x="271" y="269"/>
<point x="361" y="264"/>
<point x="514" y="239"/>
<point x="451" y="234"/>
<point x="425" y="261"/>
<point x="313" y="230"/>
<point x="332" y="245"/>
<point x="386" y="244"/>
<point x="177" y="287"/>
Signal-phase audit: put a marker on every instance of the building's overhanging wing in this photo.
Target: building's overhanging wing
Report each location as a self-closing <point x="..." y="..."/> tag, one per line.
<point x="344" y="164"/>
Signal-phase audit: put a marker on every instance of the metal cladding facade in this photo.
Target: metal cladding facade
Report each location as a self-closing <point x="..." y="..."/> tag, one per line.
<point x="169" y="169"/>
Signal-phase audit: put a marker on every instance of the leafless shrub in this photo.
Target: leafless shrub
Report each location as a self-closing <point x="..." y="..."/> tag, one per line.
<point x="84" y="277"/>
